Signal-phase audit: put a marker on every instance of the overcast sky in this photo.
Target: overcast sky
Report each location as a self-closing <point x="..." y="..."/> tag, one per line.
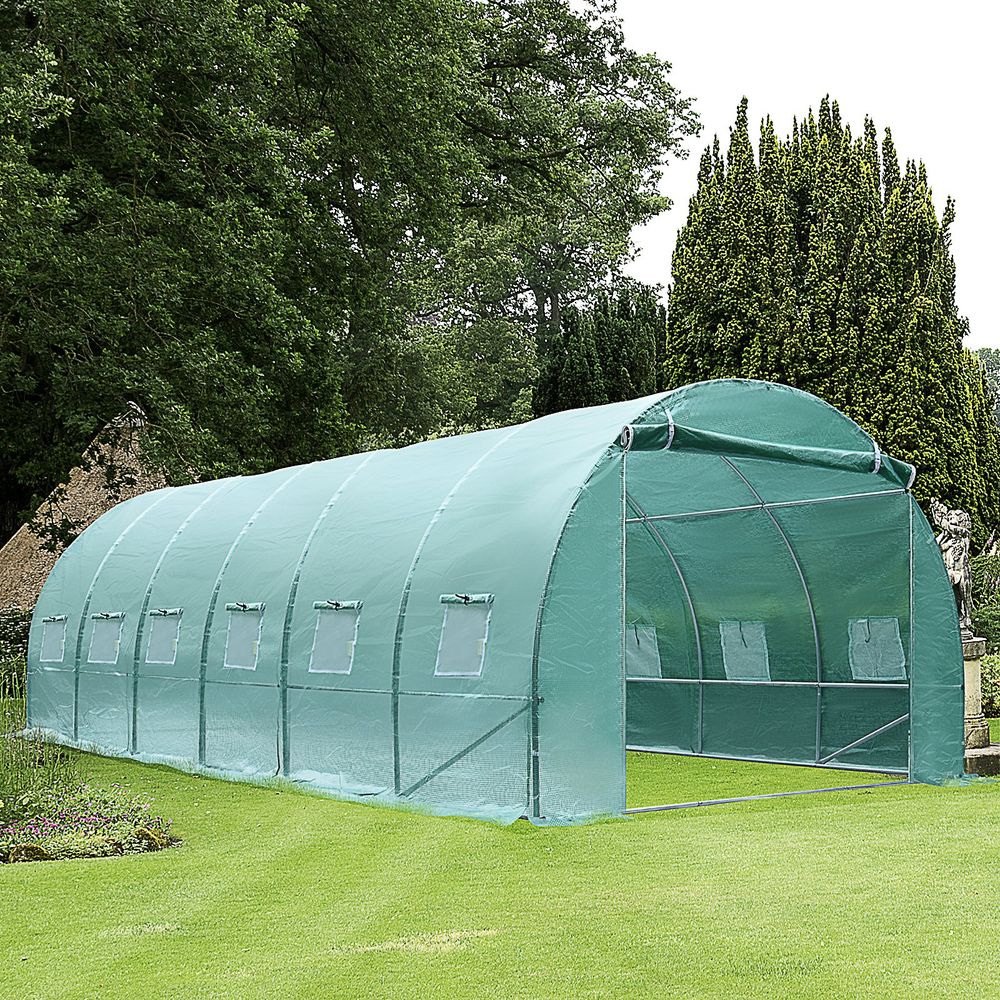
<point x="928" y="71"/>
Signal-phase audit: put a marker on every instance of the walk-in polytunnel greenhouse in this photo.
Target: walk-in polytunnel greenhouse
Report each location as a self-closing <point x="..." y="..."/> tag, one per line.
<point x="483" y="624"/>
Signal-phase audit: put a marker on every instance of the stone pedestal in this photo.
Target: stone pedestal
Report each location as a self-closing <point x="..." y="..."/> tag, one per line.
<point x="977" y="730"/>
<point x="985" y="761"/>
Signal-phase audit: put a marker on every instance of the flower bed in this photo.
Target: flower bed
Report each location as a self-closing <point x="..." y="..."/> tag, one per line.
<point x="81" y="822"/>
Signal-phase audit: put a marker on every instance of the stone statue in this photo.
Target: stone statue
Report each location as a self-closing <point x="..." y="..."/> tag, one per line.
<point x="954" y="538"/>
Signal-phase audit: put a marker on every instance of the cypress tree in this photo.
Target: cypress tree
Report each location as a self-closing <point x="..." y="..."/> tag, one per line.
<point x="989" y="359"/>
<point x="545" y="398"/>
<point x="581" y="382"/>
<point x="609" y="351"/>
<point x="818" y="262"/>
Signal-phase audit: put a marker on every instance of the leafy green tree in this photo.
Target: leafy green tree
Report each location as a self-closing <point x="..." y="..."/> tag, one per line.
<point x="604" y="118"/>
<point x="289" y="231"/>
<point x="818" y="262"/>
<point x="162" y="245"/>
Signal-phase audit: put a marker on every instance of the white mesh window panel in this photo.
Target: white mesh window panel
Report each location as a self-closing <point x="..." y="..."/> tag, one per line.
<point x="876" y="650"/>
<point x="164" y="630"/>
<point x="335" y="636"/>
<point x="53" y="639"/>
<point x="464" y="632"/>
<point x="744" y="651"/>
<point x="106" y="637"/>
<point x="642" y="655"/>
<point x="243" y="637"/>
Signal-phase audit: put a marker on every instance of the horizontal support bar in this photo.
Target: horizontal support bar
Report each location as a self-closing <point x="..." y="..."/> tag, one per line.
<point x="762" y="506"/>
<point x="323" y="687"/>
<point x="416" y="694"/>
<point x="634" y="748"/>
<point x="876" y="685"/>
<point x="339" y="690"/>
<point x="463" y="694"/>
<point x="757" y="798"/>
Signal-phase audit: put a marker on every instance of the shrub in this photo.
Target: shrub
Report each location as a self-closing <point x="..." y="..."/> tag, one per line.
<point x="991" y="686"/>
<point x="985" y="578"/>
<point x="14" y="623"/>
<point x="986" y="623"/>
<point x="30" y="769"/>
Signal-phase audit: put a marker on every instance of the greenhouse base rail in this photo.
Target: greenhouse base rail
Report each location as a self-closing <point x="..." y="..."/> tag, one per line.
<point x="757" y="798"/>
<point x="636" y="748"/>
<point x="876" y="685"/>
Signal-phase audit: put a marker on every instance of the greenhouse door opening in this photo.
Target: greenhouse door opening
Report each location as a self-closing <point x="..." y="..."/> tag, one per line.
<point x="770" y="631"/>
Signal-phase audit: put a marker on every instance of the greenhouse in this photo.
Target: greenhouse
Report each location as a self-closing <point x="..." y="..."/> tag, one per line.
<point x="485" y="624"/>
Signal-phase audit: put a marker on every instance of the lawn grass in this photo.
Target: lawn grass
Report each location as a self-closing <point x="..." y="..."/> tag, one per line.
<point x="884" y="893"/>
<point x="994" y="730"/>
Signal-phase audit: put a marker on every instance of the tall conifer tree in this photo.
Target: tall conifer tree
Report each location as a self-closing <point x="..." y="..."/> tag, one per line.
<point x="606" y="352"/>
<point x="819" y="262"/>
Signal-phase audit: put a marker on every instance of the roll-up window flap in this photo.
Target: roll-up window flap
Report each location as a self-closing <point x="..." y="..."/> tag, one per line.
<point x="338" y="605"/>
<point x="466" y="598"/>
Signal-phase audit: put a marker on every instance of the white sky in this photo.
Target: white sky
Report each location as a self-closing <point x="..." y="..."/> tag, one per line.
<point x="928" y="71"/>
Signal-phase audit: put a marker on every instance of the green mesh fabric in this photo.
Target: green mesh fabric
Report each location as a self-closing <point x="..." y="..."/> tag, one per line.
<point x="482" y="624"/>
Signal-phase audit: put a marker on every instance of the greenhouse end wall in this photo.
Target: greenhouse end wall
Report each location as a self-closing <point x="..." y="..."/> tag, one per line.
<point x="445" y="625"/>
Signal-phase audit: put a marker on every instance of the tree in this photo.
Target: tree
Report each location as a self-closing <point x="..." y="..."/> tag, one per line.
<point x="554" y="222"/>
<point x="818" y="262"/>
<point x="171" y="257"/>
<point x="606" y="352"/>
<point x="989" y="358"/>
<point x="292" y="231"/>
<point x="581" y="382"/>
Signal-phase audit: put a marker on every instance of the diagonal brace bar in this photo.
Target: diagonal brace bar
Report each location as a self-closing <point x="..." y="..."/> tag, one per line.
<point x="864" y="739"/>
<point x="475" y="744"/>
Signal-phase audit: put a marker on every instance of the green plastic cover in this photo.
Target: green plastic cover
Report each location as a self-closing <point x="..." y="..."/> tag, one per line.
<point x="482" y="624"/>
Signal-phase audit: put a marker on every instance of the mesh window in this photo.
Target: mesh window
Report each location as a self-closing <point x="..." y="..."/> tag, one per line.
<point x="243" y="639"/>
<point x="642" y="655"/>
<point x="53" y="639"/>
<point x="875" y="649"/>
<point x="335" y="636"/>
<point x="464" y="631"/>
<point x="164" y="629"/>
<point x="106" y="637"/>
<point x="744" y="651"/>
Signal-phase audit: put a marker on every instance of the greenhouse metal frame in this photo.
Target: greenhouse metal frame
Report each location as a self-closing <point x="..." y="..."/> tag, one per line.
<point x="484" y="624"/>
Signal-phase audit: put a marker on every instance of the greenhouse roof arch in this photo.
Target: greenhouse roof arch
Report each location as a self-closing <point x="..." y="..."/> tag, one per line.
<point x="481" y="624"/>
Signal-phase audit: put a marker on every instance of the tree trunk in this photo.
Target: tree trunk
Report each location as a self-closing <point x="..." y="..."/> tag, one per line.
<point x="555" y="312"/>
<point x="543" y="332"/>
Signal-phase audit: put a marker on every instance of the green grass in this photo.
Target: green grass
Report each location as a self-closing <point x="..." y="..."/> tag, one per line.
<point x="994" y="730"/>
<point x="887" y="893"/>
